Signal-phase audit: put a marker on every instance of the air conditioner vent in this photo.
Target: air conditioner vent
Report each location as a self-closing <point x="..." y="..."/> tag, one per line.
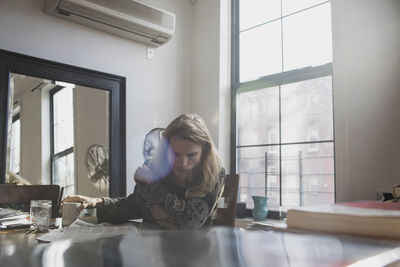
<point x="63" y="12"/>
<point x="127" y="18"/>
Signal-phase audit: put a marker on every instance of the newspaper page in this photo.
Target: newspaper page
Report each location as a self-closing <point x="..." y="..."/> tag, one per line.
<point x="80" y="231"/>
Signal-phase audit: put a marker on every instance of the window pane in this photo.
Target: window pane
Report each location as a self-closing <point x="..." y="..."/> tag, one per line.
<point x="291" y="6"/>
<point x="255" y="12"/>
<point x="258" y="117"/>
<point x="15" y="147"/>
<point x="63" y="173"/>
<point x="63" y="119"/>
<point x="307" y="110"/>
<point x="260" y="51"/>
<point x="307" y="174"/>
<point x="256" y="176"/>
<point x="307" y="38"/>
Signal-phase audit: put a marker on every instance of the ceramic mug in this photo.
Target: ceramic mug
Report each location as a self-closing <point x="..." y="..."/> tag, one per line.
<point x="260" y="210"/>
<point x="70" y="211"/>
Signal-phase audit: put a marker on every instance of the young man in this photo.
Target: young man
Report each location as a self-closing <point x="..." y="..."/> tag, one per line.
<point x="180" y="186"/>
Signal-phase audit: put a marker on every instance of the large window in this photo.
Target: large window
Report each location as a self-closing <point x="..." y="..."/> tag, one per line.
<point x="283" y="101"/>
<point x="62" y="155"/>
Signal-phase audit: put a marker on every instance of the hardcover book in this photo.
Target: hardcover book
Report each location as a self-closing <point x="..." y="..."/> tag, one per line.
<point x="363" y="218"/>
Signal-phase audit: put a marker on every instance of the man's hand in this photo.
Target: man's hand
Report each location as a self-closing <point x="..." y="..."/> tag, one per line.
<point x="145" y="175"/>
<point x="86" y="202"/>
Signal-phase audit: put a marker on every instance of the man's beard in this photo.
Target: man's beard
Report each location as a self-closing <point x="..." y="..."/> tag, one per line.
<point x="186" y="178"/>
<point x="183" y="178"/>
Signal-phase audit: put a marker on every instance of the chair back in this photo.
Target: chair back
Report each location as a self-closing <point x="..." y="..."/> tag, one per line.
<point x="21" y="196"/>
<point x="226" y="216"/>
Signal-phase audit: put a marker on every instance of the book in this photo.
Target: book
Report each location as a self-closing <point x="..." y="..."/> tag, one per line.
<point x="267" y="225"/>
<point x="362" y="218"/>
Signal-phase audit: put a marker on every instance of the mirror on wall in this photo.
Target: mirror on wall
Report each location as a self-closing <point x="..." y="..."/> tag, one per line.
<point x="53" y="128"/>
<point x="62" y="125"/>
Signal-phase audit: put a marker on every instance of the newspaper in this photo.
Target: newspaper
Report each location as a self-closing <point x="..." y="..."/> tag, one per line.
<point x="81" y="231"/>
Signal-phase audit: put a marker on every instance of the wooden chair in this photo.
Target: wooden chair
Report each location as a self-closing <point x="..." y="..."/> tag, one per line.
<point x="226" y="216"/>
<point x="19" y="196"/>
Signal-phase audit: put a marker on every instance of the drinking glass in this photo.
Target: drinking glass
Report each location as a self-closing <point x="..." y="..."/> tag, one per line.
<point x="40" y="212"/>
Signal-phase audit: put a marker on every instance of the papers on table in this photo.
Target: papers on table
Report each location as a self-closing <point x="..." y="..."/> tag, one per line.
<point x="80" y="231"/>
<point x="15" y="223"/>
<point x="136" y="220"/>
<point x="7" y="214"/>
<point x="11" y="219"/>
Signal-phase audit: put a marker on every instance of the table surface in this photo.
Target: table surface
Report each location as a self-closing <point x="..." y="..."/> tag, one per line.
<point x="12" y="238"/>
<point x="19" y="237"/>
<point x="214" y="246"/>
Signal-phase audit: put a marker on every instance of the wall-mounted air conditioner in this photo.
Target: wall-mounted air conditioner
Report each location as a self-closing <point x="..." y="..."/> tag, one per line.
<point x="127" y="18"/>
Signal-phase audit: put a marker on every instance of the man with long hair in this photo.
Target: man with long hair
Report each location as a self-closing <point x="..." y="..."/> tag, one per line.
<point x="178" y="188"/>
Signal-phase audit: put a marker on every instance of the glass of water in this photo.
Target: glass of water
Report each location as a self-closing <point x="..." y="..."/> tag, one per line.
<point x="40" y="213"/>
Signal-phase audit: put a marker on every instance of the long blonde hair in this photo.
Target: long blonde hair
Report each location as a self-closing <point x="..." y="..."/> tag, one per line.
<point x="192" y="127"/>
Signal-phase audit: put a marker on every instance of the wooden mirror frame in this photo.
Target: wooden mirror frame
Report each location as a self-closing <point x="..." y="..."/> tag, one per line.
<point x="11" y="62"/>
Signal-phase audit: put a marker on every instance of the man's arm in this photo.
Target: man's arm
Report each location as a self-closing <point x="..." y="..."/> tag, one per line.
<point x="119" y="210"/>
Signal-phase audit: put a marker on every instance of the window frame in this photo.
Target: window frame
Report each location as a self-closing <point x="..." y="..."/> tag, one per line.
<point x="63" y="153"/>
<point x="278" y="79"/>
<point x="16" y="117"/>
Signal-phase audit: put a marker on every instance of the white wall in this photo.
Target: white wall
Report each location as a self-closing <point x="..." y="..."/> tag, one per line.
<point x="205" y="43"/>
<point x="31" y="129"/>
<point x="157" y="90"/>
<point x="366" y="81"/>
<point x="211" y="70"/>
<point x="91" y="126"/>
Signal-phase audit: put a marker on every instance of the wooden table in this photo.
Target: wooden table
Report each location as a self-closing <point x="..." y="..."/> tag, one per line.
<point x="10" y="238"/>
<point x="18" y="237"/>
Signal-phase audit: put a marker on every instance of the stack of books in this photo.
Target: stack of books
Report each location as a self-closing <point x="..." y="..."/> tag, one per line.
<point x="13" y="219"/>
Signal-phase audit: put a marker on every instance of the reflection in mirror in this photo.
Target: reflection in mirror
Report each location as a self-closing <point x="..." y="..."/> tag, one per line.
<point x="58" y="134"/>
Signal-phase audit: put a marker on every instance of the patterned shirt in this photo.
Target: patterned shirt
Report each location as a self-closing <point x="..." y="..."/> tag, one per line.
<point x="163" y="203"/>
